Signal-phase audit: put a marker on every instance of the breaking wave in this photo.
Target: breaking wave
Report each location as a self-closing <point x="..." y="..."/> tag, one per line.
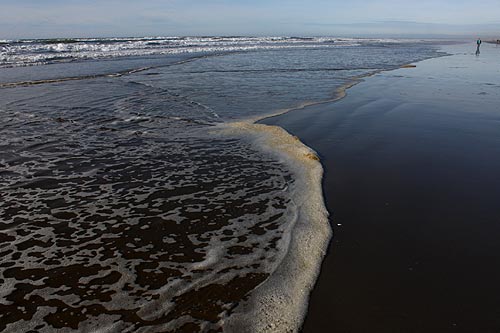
<point x="37" y="52"/>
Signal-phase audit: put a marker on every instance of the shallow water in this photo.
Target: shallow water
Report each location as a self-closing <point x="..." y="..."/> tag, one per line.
<point x="123" y="207"/>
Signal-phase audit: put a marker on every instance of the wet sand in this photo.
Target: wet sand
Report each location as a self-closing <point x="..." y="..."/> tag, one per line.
<point x="411" y="162"/>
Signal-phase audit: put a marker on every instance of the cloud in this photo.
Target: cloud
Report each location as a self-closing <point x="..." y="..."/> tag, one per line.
<point x="85" y="18"/>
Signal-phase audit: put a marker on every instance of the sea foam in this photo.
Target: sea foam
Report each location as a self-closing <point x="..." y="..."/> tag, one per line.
<point x="279" y="304"/>
<point x="39" y="52"/>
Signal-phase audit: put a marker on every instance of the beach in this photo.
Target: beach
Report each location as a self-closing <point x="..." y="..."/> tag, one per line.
<point x="411" y="182"/>
<point x="143" y="190"/>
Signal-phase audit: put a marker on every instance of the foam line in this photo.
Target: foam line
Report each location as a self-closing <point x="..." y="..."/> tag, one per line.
<point x="280" y="303"/>
<point x="96" y="76"/>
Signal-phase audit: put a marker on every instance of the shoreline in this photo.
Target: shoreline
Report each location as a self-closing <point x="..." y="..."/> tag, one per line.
<point x="268" y="303"/>
<point x="321" y="134"/>
<point x="275" y="306"/>
<point x="279" y="304"/>
<point x="339" y="94"/>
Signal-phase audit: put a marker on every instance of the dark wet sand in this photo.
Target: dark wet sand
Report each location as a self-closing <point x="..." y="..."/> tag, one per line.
<point x="412" y="177"/>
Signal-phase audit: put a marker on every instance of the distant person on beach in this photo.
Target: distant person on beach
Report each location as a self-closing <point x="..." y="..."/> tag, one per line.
<point x="478" y="46"/>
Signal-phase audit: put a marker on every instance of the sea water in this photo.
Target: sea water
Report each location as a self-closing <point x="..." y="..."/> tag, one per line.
<point x="137" y="194"/>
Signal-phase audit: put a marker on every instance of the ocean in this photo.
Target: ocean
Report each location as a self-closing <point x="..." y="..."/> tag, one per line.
<point x="138" y="193"/>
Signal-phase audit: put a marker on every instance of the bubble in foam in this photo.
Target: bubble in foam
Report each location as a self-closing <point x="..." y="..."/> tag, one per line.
<point x="280" y="303"/>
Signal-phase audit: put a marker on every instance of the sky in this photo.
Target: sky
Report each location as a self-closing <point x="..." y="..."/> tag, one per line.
<point x="356" y="18"/>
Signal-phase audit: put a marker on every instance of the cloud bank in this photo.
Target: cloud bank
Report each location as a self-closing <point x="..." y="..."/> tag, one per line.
<point x="89" y="18"/>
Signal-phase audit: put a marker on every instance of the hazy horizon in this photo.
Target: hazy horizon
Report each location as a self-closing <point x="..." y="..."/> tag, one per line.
<point x="357" y="18"/>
